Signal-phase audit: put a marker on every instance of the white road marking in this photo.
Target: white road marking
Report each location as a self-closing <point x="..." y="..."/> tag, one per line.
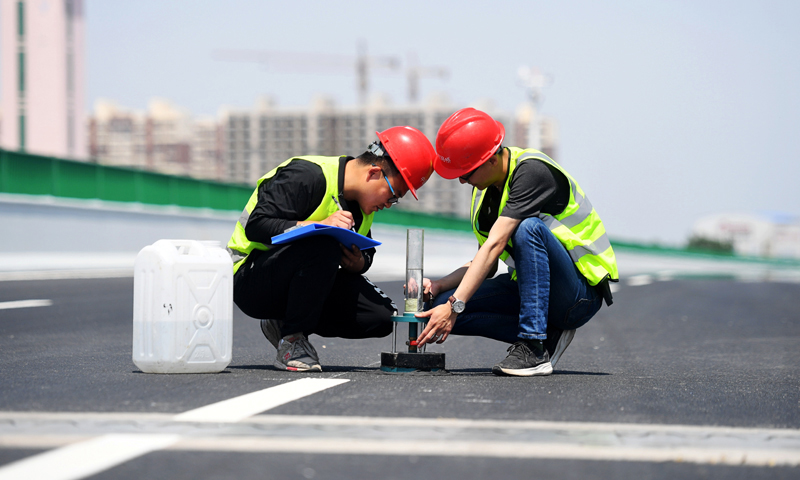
<point x="88" y="457"/>
<point x="640" y="280"/>
<point x="64" y="274"/>
<point x="25" y="304"/>
<point x="441" y="437"/>
<point x="477" y="448"/>
<point x="239" y="408"/>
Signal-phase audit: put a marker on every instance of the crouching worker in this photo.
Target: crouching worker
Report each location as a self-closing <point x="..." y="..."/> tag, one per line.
<point x="534" y="216"/>
<point x="315" y="285"/>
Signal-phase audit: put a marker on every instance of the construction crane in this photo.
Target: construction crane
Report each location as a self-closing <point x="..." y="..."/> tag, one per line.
<point x="414" y="72"/>
<point x="362" y="64"/>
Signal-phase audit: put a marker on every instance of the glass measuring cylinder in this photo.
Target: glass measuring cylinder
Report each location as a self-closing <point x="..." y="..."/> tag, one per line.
<point x="415" y="239"/>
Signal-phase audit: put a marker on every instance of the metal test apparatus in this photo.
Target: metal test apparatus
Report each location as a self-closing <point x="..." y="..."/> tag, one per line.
<point x="416" y="358"/>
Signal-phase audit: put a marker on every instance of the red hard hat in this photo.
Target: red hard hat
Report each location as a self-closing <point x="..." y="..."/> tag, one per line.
<point x="412" y="154"/>
<point x="465" y="141"/>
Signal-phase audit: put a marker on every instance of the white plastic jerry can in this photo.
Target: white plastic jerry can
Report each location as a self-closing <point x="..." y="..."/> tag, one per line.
<point x="182" y="307"/>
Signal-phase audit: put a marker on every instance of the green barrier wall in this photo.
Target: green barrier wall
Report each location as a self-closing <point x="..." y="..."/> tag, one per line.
<point x="23" y="173"/>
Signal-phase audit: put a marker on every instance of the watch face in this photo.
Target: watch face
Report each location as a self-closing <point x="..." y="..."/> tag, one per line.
<point x="458" y="306"/>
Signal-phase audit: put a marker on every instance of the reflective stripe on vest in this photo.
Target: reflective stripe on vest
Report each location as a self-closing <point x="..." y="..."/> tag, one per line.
<point x="239" y="246"/>
<point x="578" y="227"/>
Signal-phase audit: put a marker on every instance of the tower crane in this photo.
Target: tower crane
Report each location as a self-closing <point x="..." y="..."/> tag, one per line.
<point x="363" y="65"/>
<point x="415" y="71"/>
<point x="302" y="62"/>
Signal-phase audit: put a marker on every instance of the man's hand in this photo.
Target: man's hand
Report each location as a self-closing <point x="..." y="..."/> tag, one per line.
<point x="430" y="289"/>
<point x="440" y="324"/>
<point x="352" y="260"/>
<point x="340" y="218"/>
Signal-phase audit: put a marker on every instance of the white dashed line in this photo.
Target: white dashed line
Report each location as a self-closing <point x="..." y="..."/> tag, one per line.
<point x="25" y="304"/>
<point x="239" y="408"/>
<point x="640" y="280"/>
<point x="86" y="458"/>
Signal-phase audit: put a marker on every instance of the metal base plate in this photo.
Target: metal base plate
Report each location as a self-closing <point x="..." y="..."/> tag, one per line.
<point x="411" y="362"/>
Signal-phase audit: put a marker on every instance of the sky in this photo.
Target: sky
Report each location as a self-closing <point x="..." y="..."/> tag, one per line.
<point x="668" y="111"/>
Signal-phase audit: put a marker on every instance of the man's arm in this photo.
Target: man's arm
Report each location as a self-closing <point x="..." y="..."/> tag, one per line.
<point x="442" y="318"/>
<point x="486" y="258"/>
<point x="287" y="199"/>
<point x="432" y="288"/>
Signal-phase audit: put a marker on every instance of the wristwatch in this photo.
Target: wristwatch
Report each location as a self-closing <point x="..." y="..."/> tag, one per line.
<point x="456" y="305"/>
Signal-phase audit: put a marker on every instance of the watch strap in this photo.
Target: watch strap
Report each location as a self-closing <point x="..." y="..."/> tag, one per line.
<point x="453" y="300"/>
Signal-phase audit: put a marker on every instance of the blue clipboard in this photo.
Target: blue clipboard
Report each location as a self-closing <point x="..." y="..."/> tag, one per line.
<point x="345" y="237"/>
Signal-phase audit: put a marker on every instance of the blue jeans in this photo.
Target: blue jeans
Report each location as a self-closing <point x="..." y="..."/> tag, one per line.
<point x="550" y="294"/>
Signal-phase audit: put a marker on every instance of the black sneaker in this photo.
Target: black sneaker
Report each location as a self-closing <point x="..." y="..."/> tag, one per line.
<point x="522" y="361"/>
<point x="557" y="341"/>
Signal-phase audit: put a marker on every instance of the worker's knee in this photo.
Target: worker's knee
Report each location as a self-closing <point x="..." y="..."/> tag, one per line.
<point x="384" y="322"/>
<point x="530" y="228"/>
<point x="382" y="310"/>
<point x="383" y="325"/>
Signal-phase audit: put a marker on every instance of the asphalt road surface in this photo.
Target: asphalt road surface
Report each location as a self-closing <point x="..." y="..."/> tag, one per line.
<point x="678" y="379"/>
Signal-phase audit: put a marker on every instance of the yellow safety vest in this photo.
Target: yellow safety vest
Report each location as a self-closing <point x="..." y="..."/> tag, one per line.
<point x="240" y="247"/>
<point x="578" y="227"/>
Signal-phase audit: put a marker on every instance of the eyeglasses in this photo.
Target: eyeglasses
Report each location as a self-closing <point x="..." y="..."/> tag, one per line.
<point x="393" y="199"/>
<point x="470" y="173"/>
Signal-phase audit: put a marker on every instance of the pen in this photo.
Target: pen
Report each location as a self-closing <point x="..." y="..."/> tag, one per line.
<point x="336" y="201"/>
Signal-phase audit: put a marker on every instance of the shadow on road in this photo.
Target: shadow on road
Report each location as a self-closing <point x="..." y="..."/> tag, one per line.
<point x="572" y="372"/>
<point x="456" y="371"/>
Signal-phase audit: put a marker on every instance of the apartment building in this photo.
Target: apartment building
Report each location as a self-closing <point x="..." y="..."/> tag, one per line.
<point x="258" y="139"/>
<point x="164" y="138"/>
<point x="206" y="150"/>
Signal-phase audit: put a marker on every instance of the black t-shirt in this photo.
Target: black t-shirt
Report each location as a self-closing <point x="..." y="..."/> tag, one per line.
<point x="291" y="196"/>
<point x="535" y="188"/>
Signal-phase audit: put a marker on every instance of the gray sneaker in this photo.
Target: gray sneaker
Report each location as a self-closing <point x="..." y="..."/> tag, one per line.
<point x="272" y="330"/>
<point x="296" y="354"/>
<point x="523" y="361"/>
<point x="556" y="346"/>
